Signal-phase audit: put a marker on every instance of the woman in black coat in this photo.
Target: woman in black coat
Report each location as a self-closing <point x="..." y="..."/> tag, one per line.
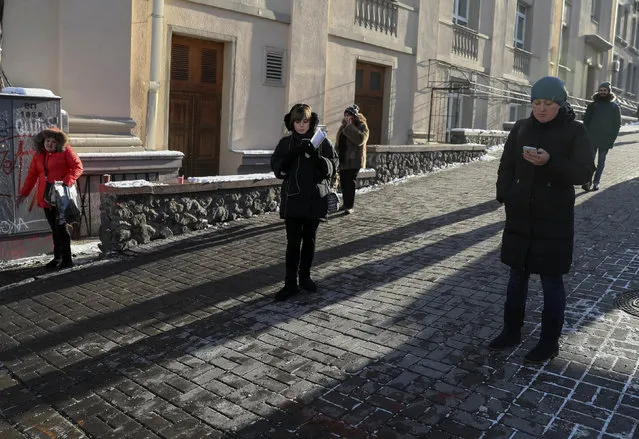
<point x="306" y="172"/>
<point x="544" y="157"/>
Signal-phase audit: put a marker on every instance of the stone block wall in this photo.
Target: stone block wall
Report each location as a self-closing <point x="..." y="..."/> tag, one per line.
<point x="131" y="215"/>
<point x="460" y="136"/>
<point x="393" y="162"/>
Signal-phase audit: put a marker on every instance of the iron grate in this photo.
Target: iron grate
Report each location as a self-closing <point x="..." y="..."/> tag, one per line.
<point x="629" y="302"/>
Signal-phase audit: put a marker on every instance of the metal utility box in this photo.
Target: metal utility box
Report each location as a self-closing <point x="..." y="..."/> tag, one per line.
<point x="22" y="116"/>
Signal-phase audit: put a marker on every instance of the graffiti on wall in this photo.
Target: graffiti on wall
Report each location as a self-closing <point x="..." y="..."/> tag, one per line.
<point x="20" y="120"/>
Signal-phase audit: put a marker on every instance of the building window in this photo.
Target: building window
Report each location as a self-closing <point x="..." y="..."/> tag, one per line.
<point x="460" y="12"/>
<point x="595" y="10"/>
<point x="619" y="15"/>
<point x="274" y="67"/>
<point x="567" y="14"/>
<point x="520" y="26"/>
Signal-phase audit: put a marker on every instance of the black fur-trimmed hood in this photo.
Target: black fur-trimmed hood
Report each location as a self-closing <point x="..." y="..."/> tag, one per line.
<point x="314" y="122"/>
<point x="53" y="132"/>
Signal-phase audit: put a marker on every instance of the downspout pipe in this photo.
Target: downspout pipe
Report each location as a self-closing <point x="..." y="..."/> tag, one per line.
<point x="157" y="33"/>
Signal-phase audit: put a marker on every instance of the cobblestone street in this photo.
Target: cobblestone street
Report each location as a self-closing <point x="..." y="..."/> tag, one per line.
<point x="183" y="339"/>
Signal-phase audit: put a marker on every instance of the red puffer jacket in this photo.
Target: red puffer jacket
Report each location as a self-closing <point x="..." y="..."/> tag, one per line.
<point x="62" y="166"/>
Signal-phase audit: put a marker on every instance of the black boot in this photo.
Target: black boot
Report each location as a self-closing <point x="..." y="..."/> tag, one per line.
<point x="544" y="350"/>
<point x="57" y="258"/>
<point x="507" y="339"/>
<point x="53" y="263"/>
<point x="288" y="291"/>
<point x="308" y="284"/>
<point x="64" y="238"/>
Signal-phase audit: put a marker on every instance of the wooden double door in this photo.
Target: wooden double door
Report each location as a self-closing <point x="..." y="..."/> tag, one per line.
<point x="195" y="104"/>
<point x="369" y="96"/>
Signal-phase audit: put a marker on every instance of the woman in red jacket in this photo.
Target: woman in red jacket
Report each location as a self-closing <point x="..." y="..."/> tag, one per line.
<point x="54" y="161"/>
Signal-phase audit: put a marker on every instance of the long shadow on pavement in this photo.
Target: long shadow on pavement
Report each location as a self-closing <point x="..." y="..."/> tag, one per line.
<point x="85" y="375"/>
<point x="59" y="385"/>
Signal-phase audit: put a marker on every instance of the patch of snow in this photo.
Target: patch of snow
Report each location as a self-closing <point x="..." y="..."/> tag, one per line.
<point x="258" y="152"/>
<point x="226" y="178"/>
<point x="132" y="154"/>
<point x="632" y="127"/>
<point x="23" y="91"/>
<point x="479" y="131"/>
<point x="82" y="251"/>
<point x="133" y="183"/>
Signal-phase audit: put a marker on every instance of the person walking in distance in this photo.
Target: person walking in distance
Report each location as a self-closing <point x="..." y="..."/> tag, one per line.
<point x="54" y="161"/>
<point x="602" y="120"/>
<point x="544" y="156"/>
<point x="306" y="172"/>
<point x="351" y="140"/>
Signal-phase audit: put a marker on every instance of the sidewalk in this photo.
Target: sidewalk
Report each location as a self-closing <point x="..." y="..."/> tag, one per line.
<point x="183" y="339"/>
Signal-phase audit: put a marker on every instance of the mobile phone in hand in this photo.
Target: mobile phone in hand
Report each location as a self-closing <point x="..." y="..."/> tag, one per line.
<point x="530" y="149"/>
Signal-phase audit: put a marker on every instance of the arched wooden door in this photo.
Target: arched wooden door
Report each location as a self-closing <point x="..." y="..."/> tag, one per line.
<point x="195" y="104"/>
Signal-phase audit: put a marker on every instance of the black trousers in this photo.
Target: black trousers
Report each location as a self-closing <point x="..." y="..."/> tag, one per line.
<point x="61" y="236"/>
<point x="299" y="231"/>
<point x="348" y="181"/>
<point x="552" y="316"/>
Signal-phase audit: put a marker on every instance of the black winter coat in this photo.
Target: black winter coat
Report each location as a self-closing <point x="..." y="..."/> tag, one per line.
<point x="540" y="200"/>
<point x="306" y="177"/>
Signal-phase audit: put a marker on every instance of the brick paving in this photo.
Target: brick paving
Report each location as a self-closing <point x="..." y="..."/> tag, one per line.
<point x="183" y="339"/>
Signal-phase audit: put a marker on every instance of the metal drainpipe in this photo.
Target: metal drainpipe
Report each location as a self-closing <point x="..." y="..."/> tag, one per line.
<point x="157" y="33"/>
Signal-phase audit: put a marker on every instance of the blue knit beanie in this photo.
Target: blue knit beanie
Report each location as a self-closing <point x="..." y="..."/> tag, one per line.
<point x="605" y="84"/>
<point x="549" y="88"/>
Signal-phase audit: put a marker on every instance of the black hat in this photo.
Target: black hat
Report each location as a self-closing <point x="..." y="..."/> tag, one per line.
<point x="352" y="109"/>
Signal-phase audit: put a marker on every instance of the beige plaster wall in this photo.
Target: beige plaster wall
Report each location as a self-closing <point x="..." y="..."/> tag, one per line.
<point x="81" y="52"/>
<point x="28" y="61"/>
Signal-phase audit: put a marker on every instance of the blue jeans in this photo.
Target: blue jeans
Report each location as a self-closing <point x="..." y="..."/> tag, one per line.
<point x="552" y="318"/>
<point x="601" y="162"/>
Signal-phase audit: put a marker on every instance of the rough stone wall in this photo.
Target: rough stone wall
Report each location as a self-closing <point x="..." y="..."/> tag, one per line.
<point x="129" y="220"/>
<point x="488" y="138"/>
<point x="391" y="165"/>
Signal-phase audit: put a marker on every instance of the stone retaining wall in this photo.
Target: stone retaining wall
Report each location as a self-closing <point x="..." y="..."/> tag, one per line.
<point x="482" y="137"/>
<point x="392" y="162"/>
<point x="131" y="215"/>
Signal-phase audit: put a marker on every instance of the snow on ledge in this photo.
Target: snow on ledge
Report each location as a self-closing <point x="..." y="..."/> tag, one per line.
<point x="228" y="178"/>
<point x="23" y="91"/>
<point x="133" y="183"/>
<point x="479" y="131"/>
<point x="131" y="154"/>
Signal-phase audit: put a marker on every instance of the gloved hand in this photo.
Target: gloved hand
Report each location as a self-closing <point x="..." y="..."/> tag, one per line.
<point x="308" y="147"/>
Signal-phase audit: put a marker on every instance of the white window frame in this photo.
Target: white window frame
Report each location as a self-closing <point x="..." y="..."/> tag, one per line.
<point x="461" y="17"/>
<point x="520" y="43"/>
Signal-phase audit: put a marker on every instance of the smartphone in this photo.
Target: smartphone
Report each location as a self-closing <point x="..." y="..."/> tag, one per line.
<point x="530" y="149"/>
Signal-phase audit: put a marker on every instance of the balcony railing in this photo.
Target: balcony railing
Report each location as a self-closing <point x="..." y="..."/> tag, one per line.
<point x="465" y="42"/>
<point x="521" y="62"/>
<point x="379" y="15"/>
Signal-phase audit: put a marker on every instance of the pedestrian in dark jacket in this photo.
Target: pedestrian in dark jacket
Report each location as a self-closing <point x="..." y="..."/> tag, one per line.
<point x="544" y="156"/>
<point x="351" y="148"/>
<point x="602" y="120"/>
<point x="306" y="172"/>
<point x="54" y="161"/>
